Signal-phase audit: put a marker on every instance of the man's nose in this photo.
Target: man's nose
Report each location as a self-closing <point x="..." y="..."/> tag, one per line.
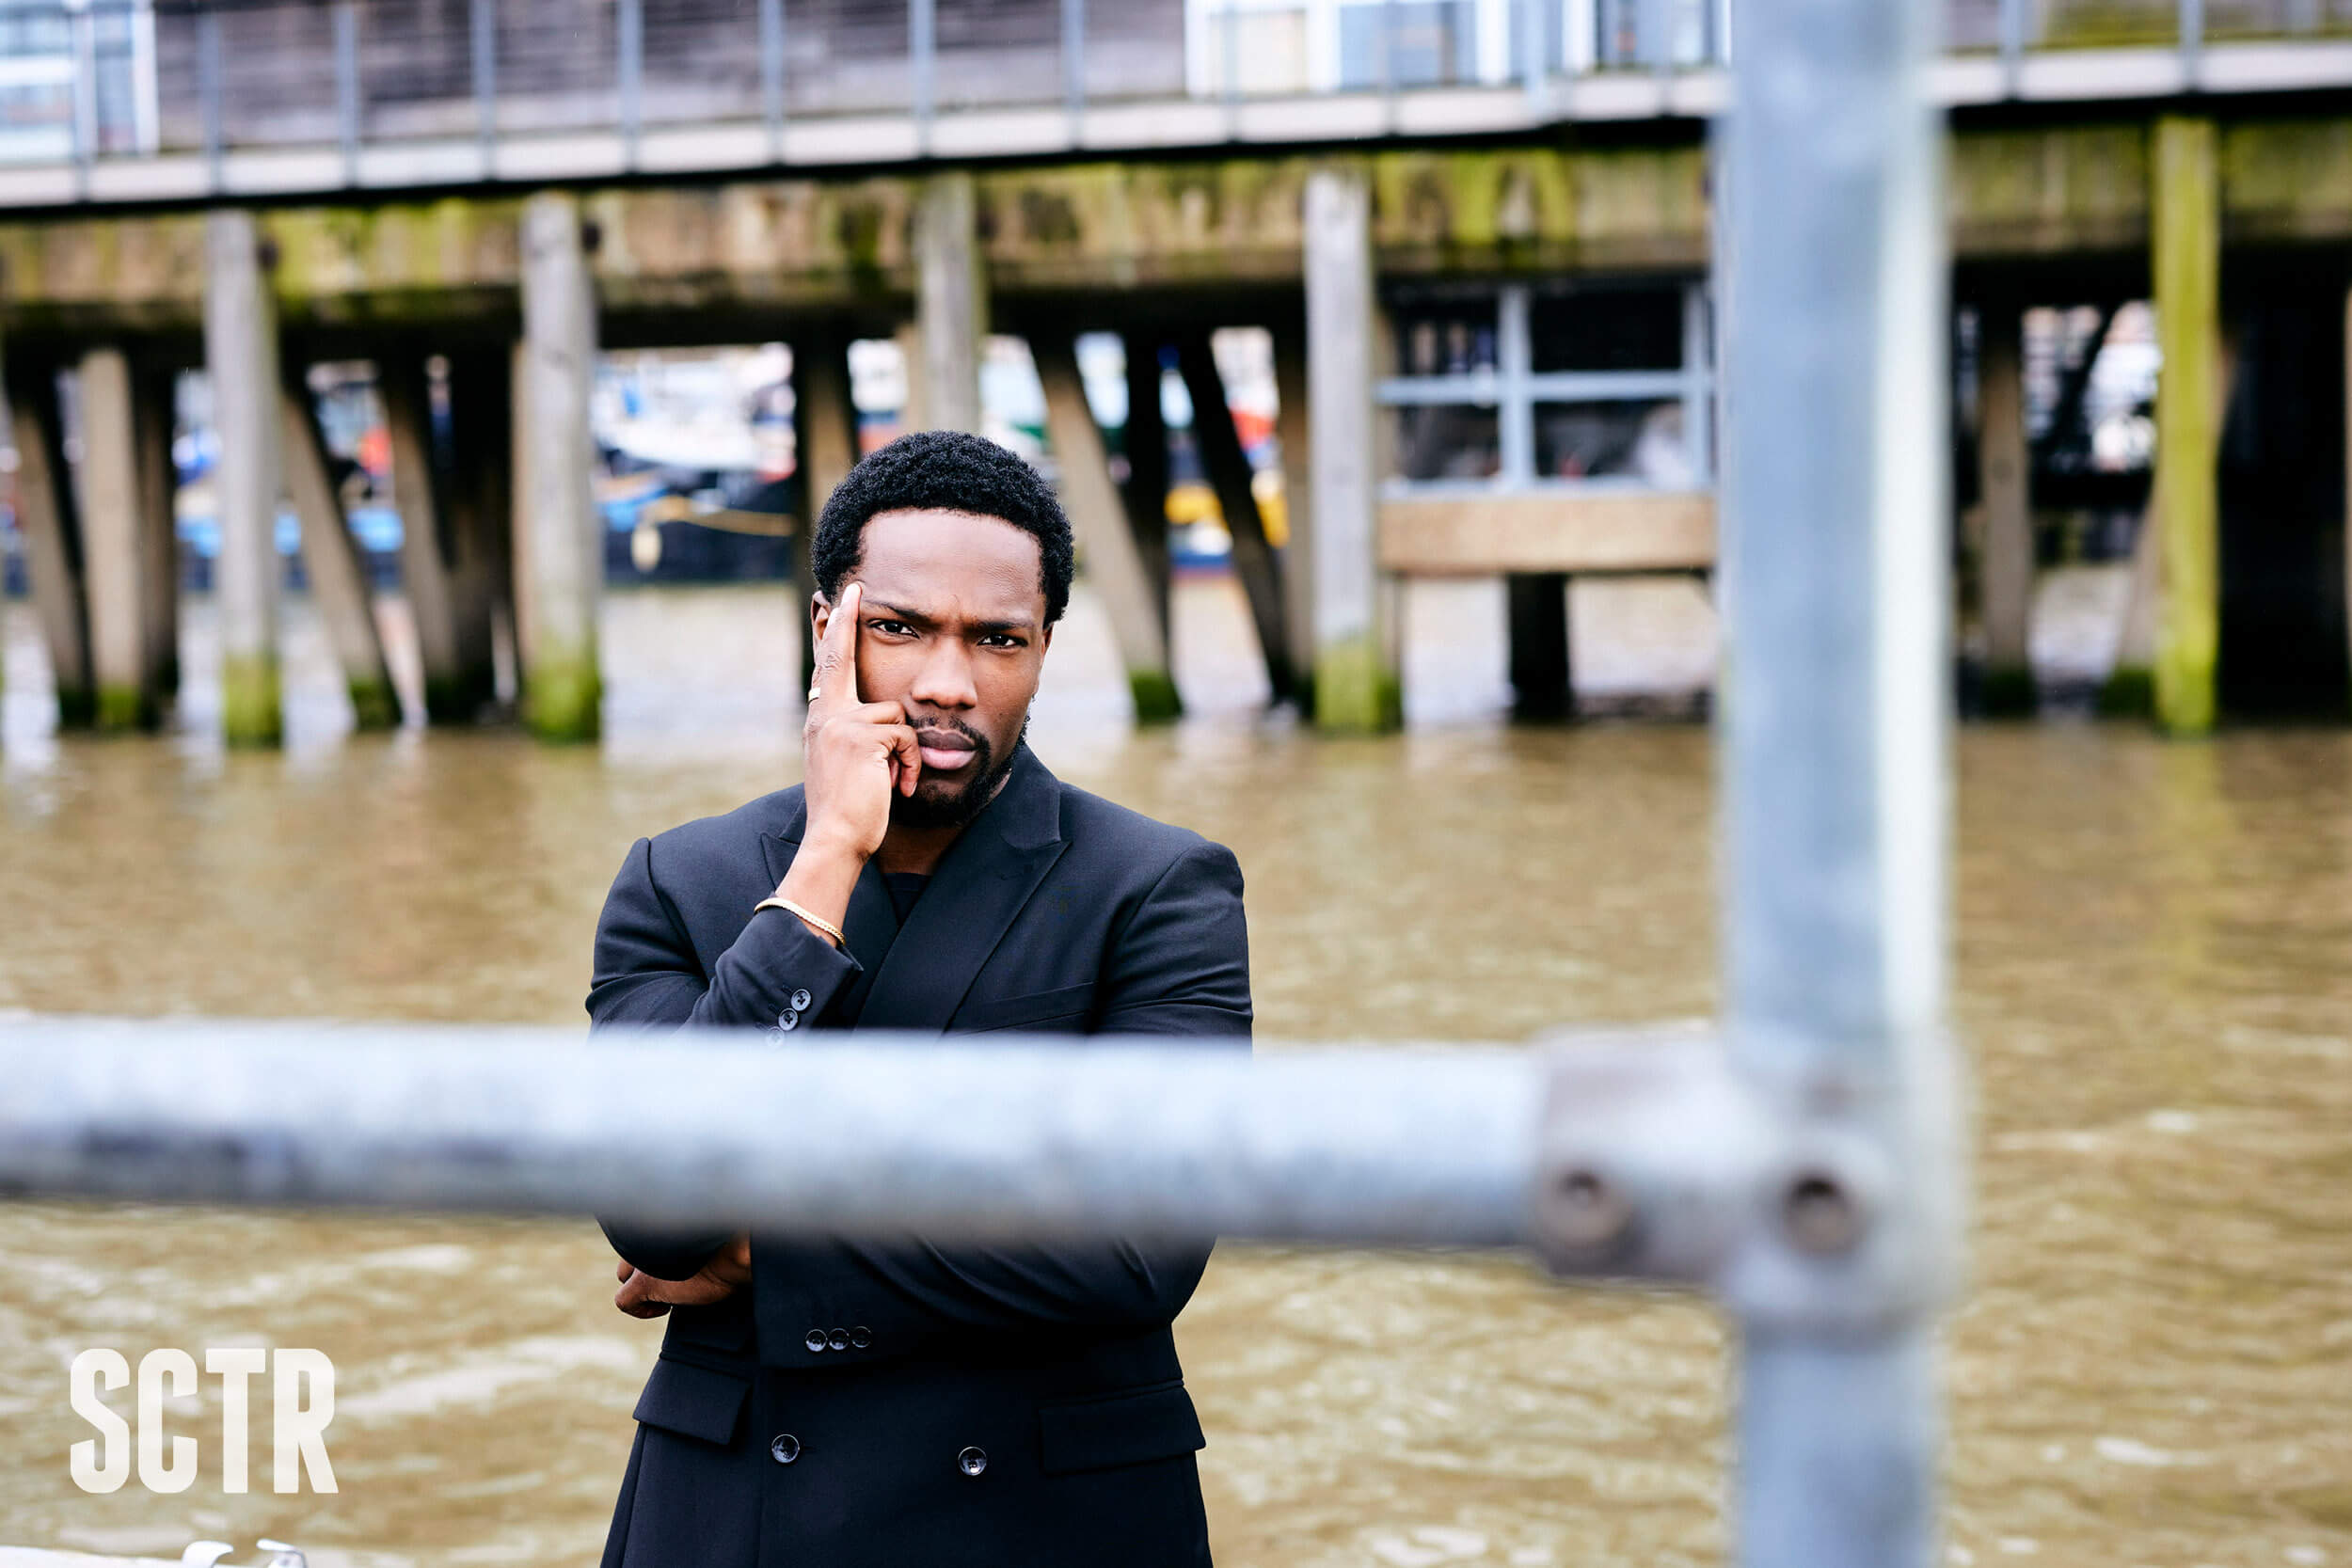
<point x="946" y="678"/>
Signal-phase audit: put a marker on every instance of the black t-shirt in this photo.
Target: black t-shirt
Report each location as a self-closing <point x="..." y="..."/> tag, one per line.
<point x="905" y="888"/>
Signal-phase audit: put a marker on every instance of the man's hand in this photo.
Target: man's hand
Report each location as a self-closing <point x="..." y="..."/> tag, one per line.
<point x="855" y="753"/>
<point x="642" y="1295"/>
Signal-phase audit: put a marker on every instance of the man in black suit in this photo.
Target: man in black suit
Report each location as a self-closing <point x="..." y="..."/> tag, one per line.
<point x="837" y="1403"/>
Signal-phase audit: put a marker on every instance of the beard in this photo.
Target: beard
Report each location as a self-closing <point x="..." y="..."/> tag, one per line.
<point x="954" y="806"/>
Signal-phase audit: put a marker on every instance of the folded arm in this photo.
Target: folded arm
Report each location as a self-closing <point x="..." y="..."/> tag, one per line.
<point x="1180" y="968"/>
<point x="648" y="975"/>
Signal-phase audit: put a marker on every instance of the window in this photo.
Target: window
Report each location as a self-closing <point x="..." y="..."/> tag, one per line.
<point x="1551" y="385"/>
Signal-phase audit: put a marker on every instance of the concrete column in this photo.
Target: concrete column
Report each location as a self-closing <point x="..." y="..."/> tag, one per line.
<point x="1298" y="548"/>
<point x="424" y="563"/>
<point x="1099" y="517"/>
<point x="2347" y="463"/>
<point x="154" y="391"/>
<point x="1355" y="677"/>
<point x="330" y="559"/>
<point x="2003" y="476"/>
<point x="112" y="564"/>
<point x="825" y="427"/>
<point x="2185" y="257"/>
<point x="1542" y="683"/>
<point x="951" y="302"/>
<point x="1230" y="476"/>
<point x="481" y="443"/>
<point x="563" y="548"/>
<point x="52" y="534"/>
<point x="241" y="355"/>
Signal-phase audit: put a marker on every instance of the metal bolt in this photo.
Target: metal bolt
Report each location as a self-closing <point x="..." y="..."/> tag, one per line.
<point x="1587" y="1213"/>
<point x="1821" y="1215"/>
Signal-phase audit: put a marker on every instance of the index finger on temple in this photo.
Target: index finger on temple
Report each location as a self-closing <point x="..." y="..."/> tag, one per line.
<point x="837" y="659"/>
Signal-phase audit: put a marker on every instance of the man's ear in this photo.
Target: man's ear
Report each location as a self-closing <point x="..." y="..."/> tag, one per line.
<point x="1045" y="641"/>
<point x="819" y="614"/>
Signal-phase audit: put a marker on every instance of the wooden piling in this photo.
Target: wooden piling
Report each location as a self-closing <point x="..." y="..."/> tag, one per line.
<point x="330" y="559"/>
<point x="112" y="560"/>
<point x="241" y="355"/>
<point x="2004" y="484"/>
<point x="825" y="428"/>
<point x="563" y="553"/>
<point x="1145" y="492"/>
<point x="2185" y="257"/>
<point x="1099" y="517"/>
<point x="478" y="506"/>
<point x="154" y="392"/>
<point x="1298" y="511"/>
<point x="46" y="522"/>
<point x="1356" y="672"/>
<point x="951" y="302"/>
<point x="1230" y="476"/>
<point x="405" y="388"/>
<point x="1542" y="684"/>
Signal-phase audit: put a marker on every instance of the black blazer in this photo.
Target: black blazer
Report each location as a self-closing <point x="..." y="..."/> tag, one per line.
<point x="901" y="1402"/>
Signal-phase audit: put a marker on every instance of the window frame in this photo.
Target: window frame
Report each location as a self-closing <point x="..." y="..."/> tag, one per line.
<point x="1513" y="388"/>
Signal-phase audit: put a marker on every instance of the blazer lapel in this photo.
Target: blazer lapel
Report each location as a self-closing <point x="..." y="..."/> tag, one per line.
<point x="982" y="884"/>
<point x="871" y="924"/>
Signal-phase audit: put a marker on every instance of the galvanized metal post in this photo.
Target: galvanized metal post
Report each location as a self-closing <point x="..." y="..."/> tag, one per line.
<point x="1833" y="748"/>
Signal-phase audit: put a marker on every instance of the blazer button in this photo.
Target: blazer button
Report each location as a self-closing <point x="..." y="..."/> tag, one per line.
<point x="837" y="1339"/>
<point x="788" y="1020"/>
<point x="801" y="999"/>
<point x="816" y="1339"/>
<point x="972" y="1462"/>
<point x="784" y="1447"/>
<point x="861" y="1337"/>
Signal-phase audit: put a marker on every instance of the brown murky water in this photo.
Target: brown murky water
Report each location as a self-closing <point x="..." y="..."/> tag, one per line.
<point x="2153" y="1366"/>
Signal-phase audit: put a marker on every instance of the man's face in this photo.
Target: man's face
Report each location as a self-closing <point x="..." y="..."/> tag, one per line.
<point x="952" y="628"/>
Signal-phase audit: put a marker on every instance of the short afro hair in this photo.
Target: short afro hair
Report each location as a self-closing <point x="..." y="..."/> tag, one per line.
<point x="946" y="470"/>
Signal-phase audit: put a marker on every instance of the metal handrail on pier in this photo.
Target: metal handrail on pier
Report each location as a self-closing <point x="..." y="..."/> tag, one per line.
<point x="1805" y="1168"/>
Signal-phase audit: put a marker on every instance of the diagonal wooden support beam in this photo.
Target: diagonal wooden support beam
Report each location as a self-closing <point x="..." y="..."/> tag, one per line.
<point x="1114" y="564"/>
<point x="1230" y="476"/>
<point x="330" y="559"/>
<point x="46" y="519"/>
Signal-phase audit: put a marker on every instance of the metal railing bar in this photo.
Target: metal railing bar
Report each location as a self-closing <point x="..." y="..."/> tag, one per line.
<point x="345" y="22"/>
<point x="482" y="23"/>
<point x="1628" y="1156"/>
<point x="630" y="68"/>
<point x="2012" y="44"/>
<point x="922" y="64"/>
<point x="209" y="90"/>
<point x="2192" y="41"/>
<point x="1074" y="64"/>
<point x="772" y="74"/>
<point x="83" y="31"/>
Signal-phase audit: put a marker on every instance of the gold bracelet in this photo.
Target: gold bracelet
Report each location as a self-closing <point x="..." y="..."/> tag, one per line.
<point x="778" y="901"/>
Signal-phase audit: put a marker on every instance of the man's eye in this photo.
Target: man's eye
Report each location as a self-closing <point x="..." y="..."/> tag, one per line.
<point x="893" y="629"/>
<point x="1002" y="640"/>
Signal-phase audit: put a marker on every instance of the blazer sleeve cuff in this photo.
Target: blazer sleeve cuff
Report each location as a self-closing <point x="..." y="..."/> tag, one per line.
<point x="779" y="975"/>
